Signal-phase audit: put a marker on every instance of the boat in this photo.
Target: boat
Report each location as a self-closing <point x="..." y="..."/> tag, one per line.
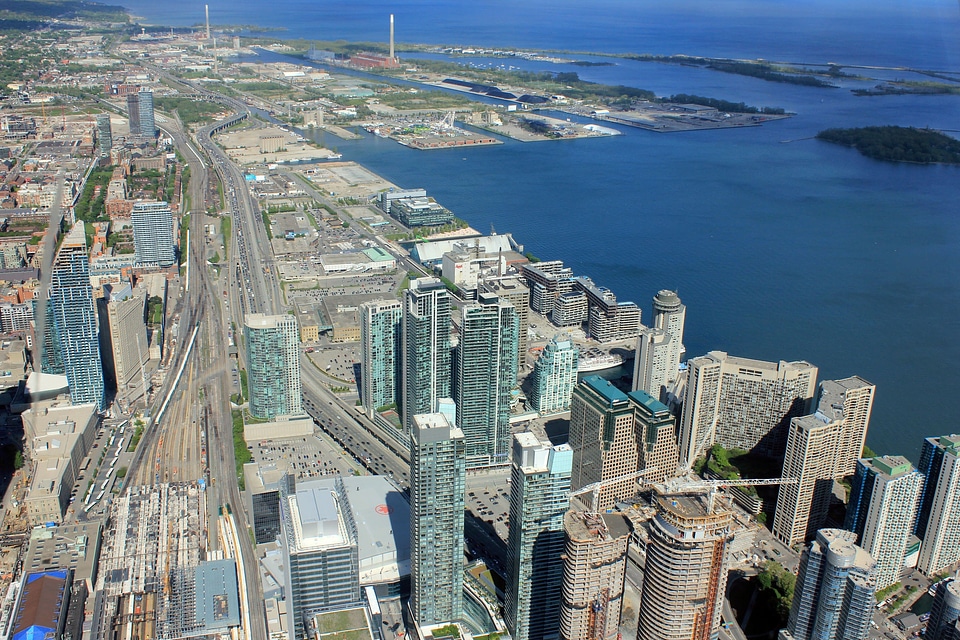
<point x="597" y="360"/>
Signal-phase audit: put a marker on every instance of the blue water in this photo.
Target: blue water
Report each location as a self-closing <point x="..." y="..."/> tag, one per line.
<point x="780" y="250"/>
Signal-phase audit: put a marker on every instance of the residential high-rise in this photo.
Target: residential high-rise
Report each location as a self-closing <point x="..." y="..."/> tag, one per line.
<point x="811" y="458"/>
<point x="742" y="403"/>
<point x="380" y="354"/>
<point x="687" y="562"/>
<point x="485" y="372"/>
<point x="426" y="348"/>
<point x="153" y="233"/>
<point x="881" y="511"/>
<point x="938" y="520"/>
<point x="539" y="498"/>
<point x="834" y="594"/>
<point x="512" y="289"/>
<point x="437" y="481"/>
<point x="656" y="427"/>
<point x="652" y="364"/>
<point x="594" y="567"/>
<point x="555" y="376"/>
<point x="320" y="549"/>
<point x="273" y="365"/>
<point x="51" y="359"/>
<point x="604" y="440"/>
<point x="104" y="134"/>
<point x="945" y="611"/>
<point x="669" y="315"/>
<point x="133" y="113"/>
<point x="75" y="319"/>
<point x="849" y="401"/>
<point x="123" y="335"/>
<point x="148" y="125"/>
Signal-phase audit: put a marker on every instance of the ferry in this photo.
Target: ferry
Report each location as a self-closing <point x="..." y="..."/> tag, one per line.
<point x="597" y="360"/>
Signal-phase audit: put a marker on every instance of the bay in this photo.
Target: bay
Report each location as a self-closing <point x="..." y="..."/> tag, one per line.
<point x="780" y="250"/>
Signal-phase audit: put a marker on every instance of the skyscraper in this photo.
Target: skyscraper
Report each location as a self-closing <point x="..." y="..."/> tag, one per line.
<point x="426" y="348"/>
<point x="104" y="134"/>
<point x="123" y="334"/>
<point x="656" y="428"/>
<point x="153" y="233"/>
<point x="811" y="458"/>
<point x="688" y="558"/>
<point x="148" y="125"/>
<point x="51" y="359"/>
<point x="485" y="372"/>
<point x="273" y="365"/>
<point x="669" y="315"/>
<point x="652" y="363"/>
<point x="380" y="354"/>
<point x="133" y="113"/>
<point x="594" y="567"/>
<point x="834" y="594"/>
<point x="512" y="289"/>
<point x="945" y="611"/>
<point x="742" y="403"/>
<point x="75" y="319"/>
<point x="539" y="490"/>
<point x="881" y="511"/>
<point x="437" y="477"/>
<point x="938" y="520"/>
<point x="555" y="376"/>
<point x="849" y="401"/>
<point x="604" y="439"/>
<point x="320" y="549"/>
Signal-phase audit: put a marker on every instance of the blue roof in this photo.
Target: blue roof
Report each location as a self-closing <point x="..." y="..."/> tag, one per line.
<point x="218" y="596"/>
<point x="642" y="397"/>
<point x="605" y="388"/>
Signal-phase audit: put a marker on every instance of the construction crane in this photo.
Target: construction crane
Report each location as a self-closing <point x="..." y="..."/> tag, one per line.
<point x="595" y="487"/>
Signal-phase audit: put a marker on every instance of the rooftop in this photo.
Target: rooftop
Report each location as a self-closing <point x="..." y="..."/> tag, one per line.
<point x="605" y="389"/>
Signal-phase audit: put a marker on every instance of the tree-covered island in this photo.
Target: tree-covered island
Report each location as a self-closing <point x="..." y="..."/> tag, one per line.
<point x="898" y="144"/>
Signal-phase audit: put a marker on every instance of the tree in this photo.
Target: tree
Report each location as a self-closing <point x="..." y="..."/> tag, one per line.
<point x="18" y="460"/>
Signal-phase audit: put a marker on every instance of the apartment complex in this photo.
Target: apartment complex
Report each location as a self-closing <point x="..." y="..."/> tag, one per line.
<point x="555" y="376"/>
<point x="273" y="365"/>
<point x="426" y="348"/>
<point x="153" y="233"/>
<point x="380" y="344"/>
<point x="938" y="520"/>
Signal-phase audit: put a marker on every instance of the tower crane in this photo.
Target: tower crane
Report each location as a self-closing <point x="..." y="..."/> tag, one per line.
<point x="595" y="487"/>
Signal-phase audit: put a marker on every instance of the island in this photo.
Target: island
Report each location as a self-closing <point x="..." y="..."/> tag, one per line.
<point x="898" y="144"/>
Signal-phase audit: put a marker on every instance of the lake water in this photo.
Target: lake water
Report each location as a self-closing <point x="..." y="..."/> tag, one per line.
<point x="782" y="247"/>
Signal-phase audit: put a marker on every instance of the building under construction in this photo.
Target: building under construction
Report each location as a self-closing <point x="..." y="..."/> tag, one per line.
<point x="687" y="560"/>
<point x="594" y="568"/>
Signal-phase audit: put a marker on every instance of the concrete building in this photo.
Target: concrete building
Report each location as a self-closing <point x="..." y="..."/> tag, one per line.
<point x="834" y="594"/>
<point x="104" y="134"/>
<point x="594" y="568"/>
<point x="651" y="366"/>
<point x="569" y="309"/>
<point x="148" y="125"/>
<point x="437" y="485"/>
<point x="742" y="403"/>
<point x="320" y="548"/>
<point x="604" y="439"/>
<point x="945" y="611"/>
<point x="687" y="561"/>
<point x="811" y="458"/>
<point x="426" y="348"/>
<point x="74" y="546"/>
<point x="881" y="511"/>
<point x="938" y="519"/>
<point x="547" y="281"/>
<point x="75" y="319"/>
<point x="607" y="319"/>
<point x="380" y="354"/>
<point x="669" y="315"/>
<point x="43" y="603"/>
<point x="153" y="233"/>
<point x="466" y="267"/>
<point x="539" y="490"/>
<point x="555" y="376"/>
<point x="273" y="365"/>
<point x="123" y="336"/>
<point x="484" y="374"/>
<point x="512" y="289"/>
<point x="656" y="427"/>
<point x="385" y="198"/>
<point x="849" y="401"/>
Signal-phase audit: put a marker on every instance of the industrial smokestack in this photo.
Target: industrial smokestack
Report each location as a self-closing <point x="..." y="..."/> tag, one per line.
<point x="206" y="8"/>
<point x="391" y="37"/>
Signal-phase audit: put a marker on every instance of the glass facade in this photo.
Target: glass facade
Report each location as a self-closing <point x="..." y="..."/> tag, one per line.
<point x="153" y="233"/>
<point x="380" y="354"/>
<point x="273" y="365"/>
<point x="426" y="348"/>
